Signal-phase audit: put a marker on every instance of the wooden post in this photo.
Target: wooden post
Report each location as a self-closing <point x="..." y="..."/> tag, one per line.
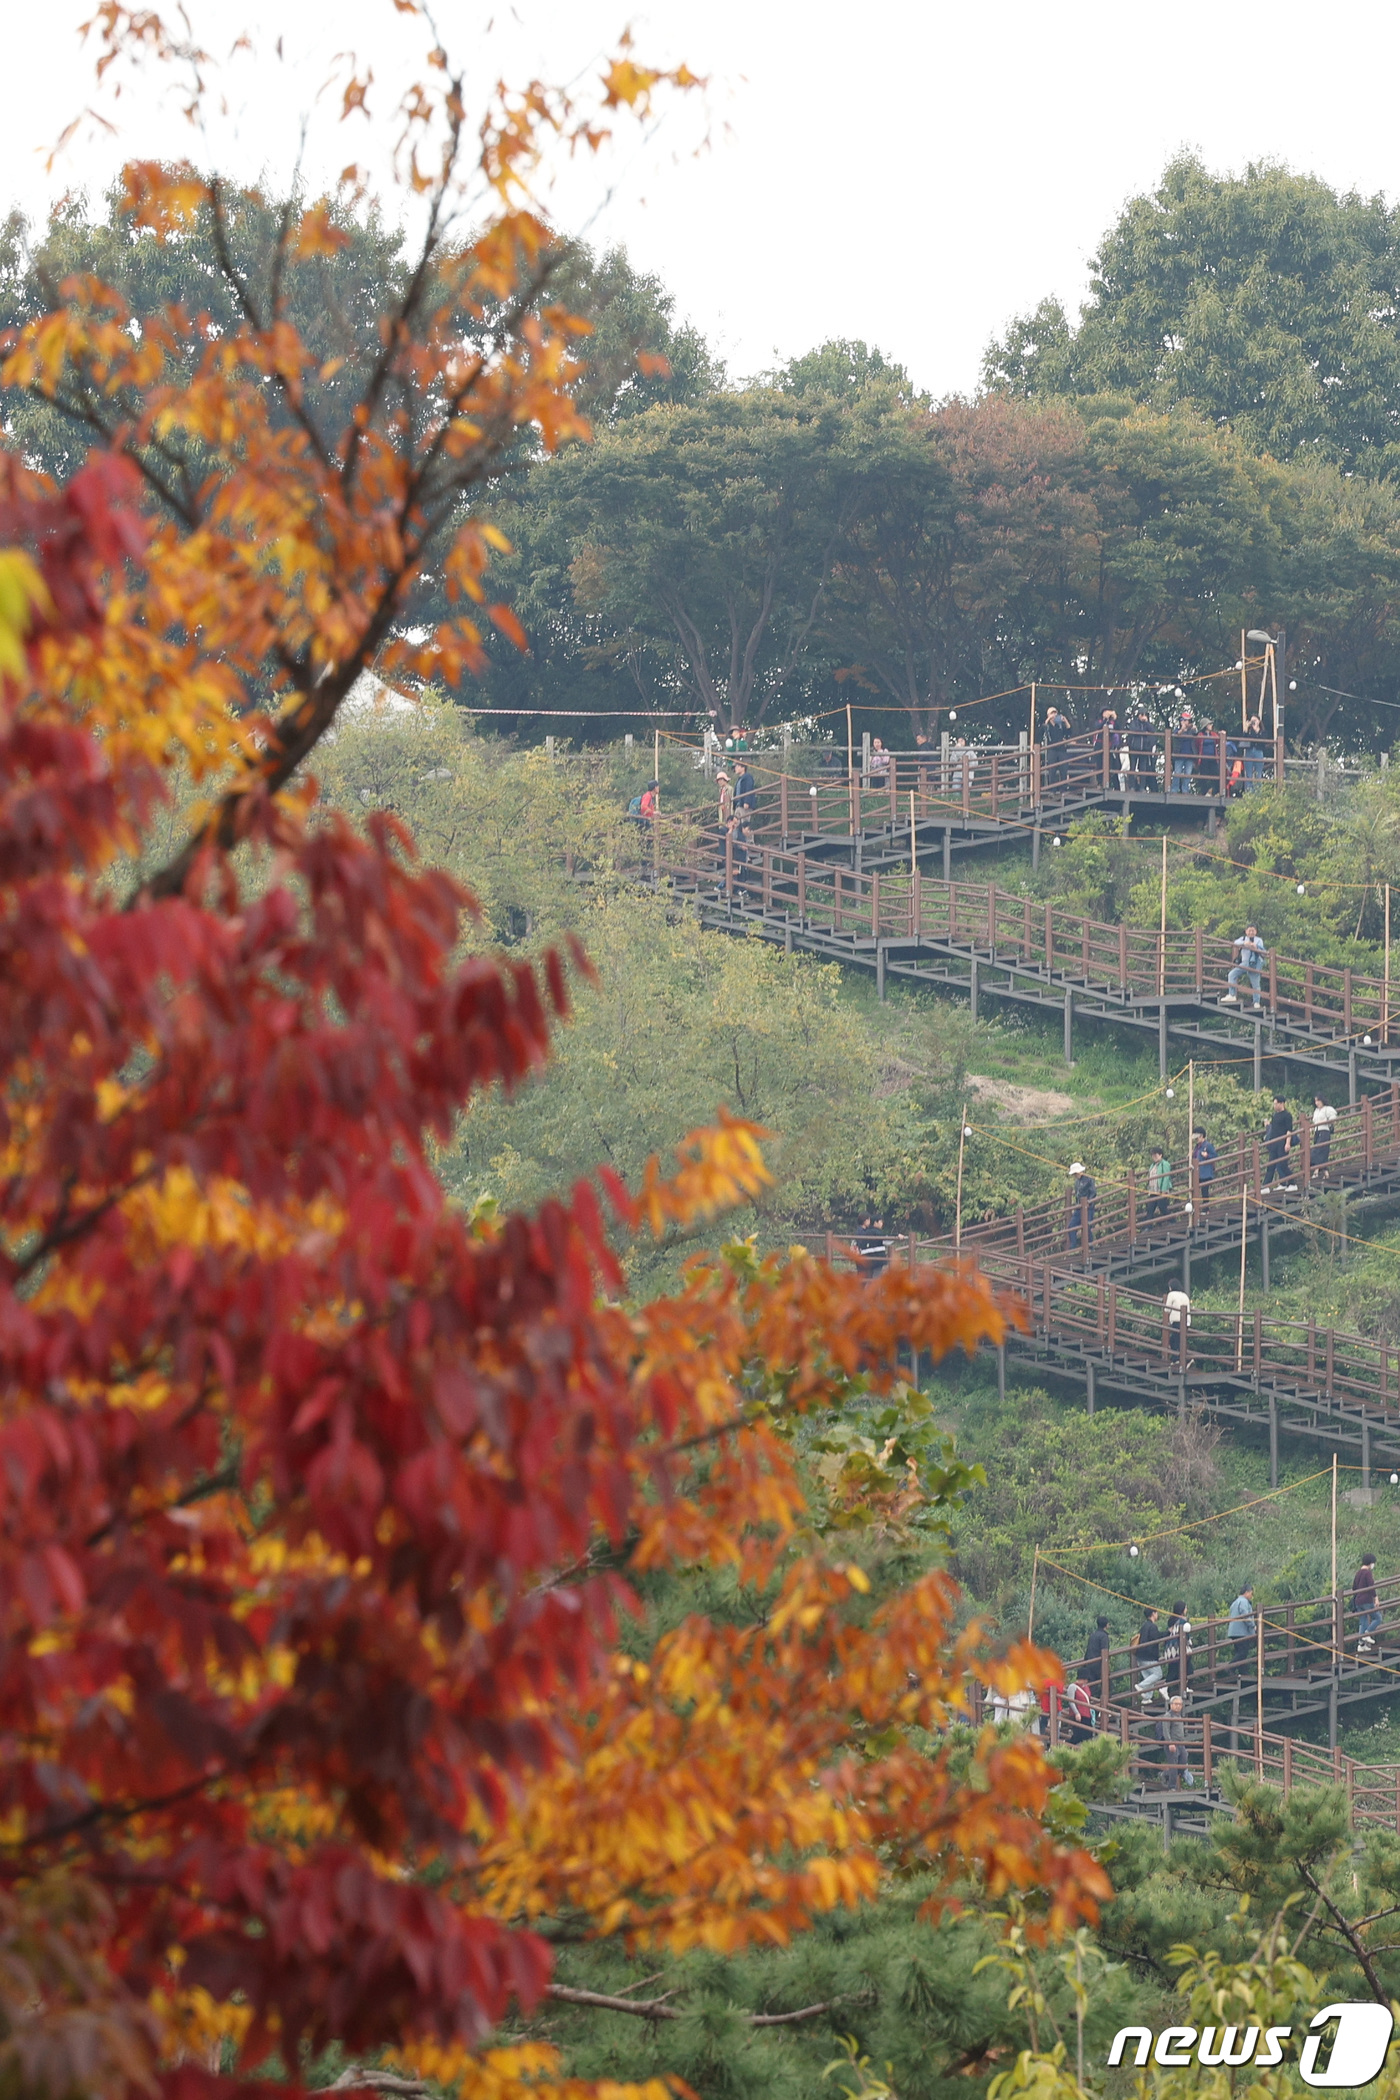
<point x="913" y="853"/>
<point x="851" y="766"/>
<point x="1162" y="934"/>
<point x="1259" y="1633"/>
<point x="1036" y="783"/>
<point x="1385" y="1010"/>
<point x="1244" y="1243"/>
<point x="1336" y="1629"/>
<point x="1035" y="1577"/>
<point x="957" y="1215"/>
<point x="1244" y="684"/>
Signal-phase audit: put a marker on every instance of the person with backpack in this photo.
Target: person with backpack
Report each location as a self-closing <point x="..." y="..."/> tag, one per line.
<point x="1077" y="1712"/>
<point x="650" y="803"/>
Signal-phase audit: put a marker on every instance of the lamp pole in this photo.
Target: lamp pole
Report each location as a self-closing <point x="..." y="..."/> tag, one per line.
<point x="1277" y="646"/>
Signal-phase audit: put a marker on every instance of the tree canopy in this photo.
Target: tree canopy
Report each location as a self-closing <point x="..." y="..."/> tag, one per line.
<point x="1265" y="300"/>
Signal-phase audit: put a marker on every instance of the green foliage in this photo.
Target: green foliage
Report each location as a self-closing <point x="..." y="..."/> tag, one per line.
<point x="1262" y="299"/>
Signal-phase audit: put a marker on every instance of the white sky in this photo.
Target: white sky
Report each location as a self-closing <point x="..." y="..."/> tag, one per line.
<point x="910" y="174"/>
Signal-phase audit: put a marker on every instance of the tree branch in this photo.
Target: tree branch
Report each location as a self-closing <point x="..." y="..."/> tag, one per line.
<point x="1361" y="1953"/>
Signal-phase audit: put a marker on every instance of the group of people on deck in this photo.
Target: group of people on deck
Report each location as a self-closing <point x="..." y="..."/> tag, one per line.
<point x="1197" y="751"/>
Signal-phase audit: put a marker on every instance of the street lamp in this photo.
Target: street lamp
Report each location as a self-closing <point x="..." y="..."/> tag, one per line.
<point x="1277" y="645"/>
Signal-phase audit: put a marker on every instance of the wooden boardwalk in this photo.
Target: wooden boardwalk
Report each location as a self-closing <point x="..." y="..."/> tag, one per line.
<point x="985" y="942"/>
<point x="1185" y="1792"/>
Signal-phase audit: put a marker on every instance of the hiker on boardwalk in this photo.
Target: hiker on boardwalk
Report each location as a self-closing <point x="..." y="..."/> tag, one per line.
<point x="872" y="1247"/>
<point x="1076" y="1712"/>
<point x="1243" y="1629"/>
<point x="1178" y="1310"/>
<point x="1176" y="1653"/>
<point x="1159" y="1184"/>
<point x="1184" y="747"/>
<point x="879" y="764"/>
<point x="1278" y="1142"/>
<point x="1083" y="1198"/>
<point x="1054" y="739"/>
<point x="1171" y="1730"/>
<point x="1208" y="756"/>
<point x="1097" y="1645"/>
<point x="1203" y="1158"/>
<point x="1253" y="752"/>
<point x="1250" y="954"/>
<point x="1324" y="1119"/>
<point x="745" y="789"/>
<point x="1140" y="744"/>
<point x="726" y="799"/>
<point x="1363" y="1603"/>
<point x="1146" y="1646"/>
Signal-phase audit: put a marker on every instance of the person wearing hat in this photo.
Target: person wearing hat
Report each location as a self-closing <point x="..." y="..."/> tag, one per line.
<point x="726" y="798"/>
<point x="1083" y="1195"/>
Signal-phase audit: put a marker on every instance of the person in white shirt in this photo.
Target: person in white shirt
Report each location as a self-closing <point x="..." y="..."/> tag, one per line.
<point x="1324" y="1116"/>
<point x="1178" y="1307"/>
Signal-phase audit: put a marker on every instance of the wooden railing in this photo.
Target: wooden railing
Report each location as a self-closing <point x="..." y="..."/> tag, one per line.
<point x="1000" y="782"/>
<point x="999" y="926"/>
<point x="1211" y="1746"/>
<point x="1297" y="1646"/>
<point x="1126" y="1212"/>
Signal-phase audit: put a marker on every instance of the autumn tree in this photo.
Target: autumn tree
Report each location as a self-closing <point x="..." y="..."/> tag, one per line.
<point x="319" y="1496"/>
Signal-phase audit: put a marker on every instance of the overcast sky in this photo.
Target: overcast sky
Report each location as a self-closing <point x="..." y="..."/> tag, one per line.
<point x="913" y="174"/>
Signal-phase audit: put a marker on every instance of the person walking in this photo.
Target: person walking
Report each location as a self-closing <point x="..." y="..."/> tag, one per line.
<point x="1083" y="1199"/>
<point x="1253" y="752"/>
<point x="1363" y="1603"/>
<point x="1250" y="955"/>
<point x="1176" y="1654"/>
<point x="649" y="803"/>
<point x="1054" y="737"/>
<point x="1278" y="1141"/>
<point x="1324" y="1119"/>
<point x="1178" y="1311"/>
<point x="1097" y="1645"/>
<point x="726" y="799"/>
<point x="1171" y="1730"/>
<point x="745" y="789"/>
<point x="1208" y="755"/>
<point x="1203" y="1158"/>
<point x="1159" y="1184"/>
<point x="1243" y="1629"/>
<point x="879" y="764"/>
<point x="1147" y="1651"/>
<point x="1077" y="1712"/>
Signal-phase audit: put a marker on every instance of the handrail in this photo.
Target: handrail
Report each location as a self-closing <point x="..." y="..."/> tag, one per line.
<point x="1210" y="1745"/>
<point x="1003" y="782"/>
<point x="1126" y="1212"/>
<point x="1116" y="962"/>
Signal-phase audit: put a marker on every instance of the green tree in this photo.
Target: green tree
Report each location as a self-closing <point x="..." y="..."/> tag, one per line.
<point x="1266" y="300"/>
